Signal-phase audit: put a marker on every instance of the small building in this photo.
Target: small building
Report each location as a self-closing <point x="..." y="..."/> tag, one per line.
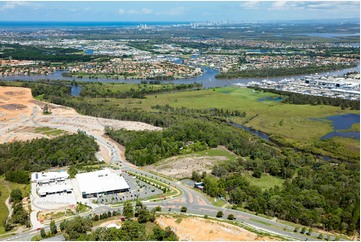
<point x="49" y="177"/>
<point x="92" y="184"/>
<point x="54" y="188"/>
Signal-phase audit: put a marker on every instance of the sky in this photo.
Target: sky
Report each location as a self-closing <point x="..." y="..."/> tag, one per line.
<point x="176" y="11"/>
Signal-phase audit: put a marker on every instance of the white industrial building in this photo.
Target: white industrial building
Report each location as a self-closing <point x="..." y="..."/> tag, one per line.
<point x="92" y="184"/>
<point x="61" y="187"/>
<point x="53" y="182"/>
<point x="49" y="177"/>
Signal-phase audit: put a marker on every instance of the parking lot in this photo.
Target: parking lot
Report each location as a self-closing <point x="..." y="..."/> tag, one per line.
<point x="138" y="189"/>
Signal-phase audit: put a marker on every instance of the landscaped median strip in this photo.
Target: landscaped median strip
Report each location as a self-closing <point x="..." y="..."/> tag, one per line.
<point x="170" y="191"/>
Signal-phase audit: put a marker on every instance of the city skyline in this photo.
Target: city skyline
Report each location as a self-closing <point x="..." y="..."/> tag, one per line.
<point x="187" y="11"/>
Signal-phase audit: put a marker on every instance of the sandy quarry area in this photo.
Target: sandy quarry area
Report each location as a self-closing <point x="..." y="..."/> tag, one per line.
<point x="20" y="114"/>
<point x="192" y="228"/>
<point x="182" y="166"/>
<point x="14" y="102"/>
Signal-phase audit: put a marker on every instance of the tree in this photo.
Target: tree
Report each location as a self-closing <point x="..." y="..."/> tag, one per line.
<point x="7" y="226"/>
<point x="183" y="209"/>
<point x="143" y="215"/>
<point x="96" y="217"/>
<point x="231" y="217"/>
<point x="303" y="230"/>
<point x="16" y="195"/>
<point x="62" y="225"/>
<point x="196" y="176"/>
<point x="128" y="211"/>
<point x="42" y="233"/>
<point x="53" y="228"/>
<point x="158" y="209"/>
<point x="72" y="172"/>
<point x="219" y="214"/>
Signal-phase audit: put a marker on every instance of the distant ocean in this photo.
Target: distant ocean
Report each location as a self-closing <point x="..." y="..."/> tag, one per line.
<point x="39" y="25"/>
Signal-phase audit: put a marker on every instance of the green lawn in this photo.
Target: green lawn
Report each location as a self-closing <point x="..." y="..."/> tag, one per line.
<point x="296" y="123"/>
<point x="219" y="151"/>
<point x="265" y="182"/>
<point x="290" y="122"/>
<point x="5" y="193"/>
<point x="49" y="131"/>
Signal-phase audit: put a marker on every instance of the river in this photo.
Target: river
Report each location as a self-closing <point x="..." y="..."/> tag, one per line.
<point x="207" y="78"/>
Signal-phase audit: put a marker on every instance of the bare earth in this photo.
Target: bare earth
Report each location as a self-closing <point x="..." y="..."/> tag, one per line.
<point x="183" y="166"/>
<point x="206" y="230"/>
<point x="20" y="114"/>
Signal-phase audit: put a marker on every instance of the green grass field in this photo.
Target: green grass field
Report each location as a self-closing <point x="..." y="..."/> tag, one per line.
<point x="49" y="131"/>
<point x="219" y="151"/>
<point x="5" y="188"/>
<point x="265" y="182"/>
<point x="290" y="122"/>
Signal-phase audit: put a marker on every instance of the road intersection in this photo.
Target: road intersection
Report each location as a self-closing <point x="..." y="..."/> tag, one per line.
<point x="195" y="201"/>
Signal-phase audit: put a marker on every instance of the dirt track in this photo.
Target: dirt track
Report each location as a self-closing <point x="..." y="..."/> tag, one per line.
<point x="20" y="114"/>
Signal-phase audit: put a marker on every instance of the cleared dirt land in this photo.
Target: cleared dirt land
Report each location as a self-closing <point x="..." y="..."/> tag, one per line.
<point x="191" y="228"/>
<point x="22" y="118"/>
<point x="182" y="166"/>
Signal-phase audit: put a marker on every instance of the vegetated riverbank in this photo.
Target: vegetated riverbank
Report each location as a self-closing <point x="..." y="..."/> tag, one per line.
<point x="207" y="79"/>
<point x="284" y="71"/>
<point x="312" y="182"/>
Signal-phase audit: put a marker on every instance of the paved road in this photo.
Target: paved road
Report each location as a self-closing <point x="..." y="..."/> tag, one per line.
<point x="195" y="201"/>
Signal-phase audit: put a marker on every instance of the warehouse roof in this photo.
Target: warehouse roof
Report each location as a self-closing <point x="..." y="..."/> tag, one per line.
<point x="100" y="181"/>
<point x="55" y="188"/>
<point x="42" y="177"/>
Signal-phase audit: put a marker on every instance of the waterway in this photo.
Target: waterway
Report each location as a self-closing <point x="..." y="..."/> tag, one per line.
<point x="252" y="131"/>
<point x="329" y="35"/>
<point x="340" y="124"/>
<point x="208" y="78"/>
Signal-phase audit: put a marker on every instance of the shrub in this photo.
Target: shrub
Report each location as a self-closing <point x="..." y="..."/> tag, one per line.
<point x="231" y="217"/>
<point x="219" y="214"/>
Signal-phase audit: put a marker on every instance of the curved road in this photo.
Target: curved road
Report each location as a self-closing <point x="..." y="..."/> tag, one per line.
<point x="195" y="201"/>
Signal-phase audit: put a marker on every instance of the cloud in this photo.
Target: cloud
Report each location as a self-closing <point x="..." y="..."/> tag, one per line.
<point x="172" y="11"/>
<point x="12" y="5"/>
<point x="279" y="5"/>
<point x="132" y="11"/>
<point x="314" y="5"/>
<point x="147" y="11"/>
<point x="175" y="11"/>
<point x="121" y="11"/>
<point x="250" y="5"/>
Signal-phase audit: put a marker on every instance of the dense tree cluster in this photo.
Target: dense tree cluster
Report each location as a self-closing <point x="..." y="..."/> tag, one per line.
<point x="131" y="230"/>
<point x="147" y="147"/>
<point x="316" y="192"/>
<point x="319" y="194"/>
<point x="39" y="154"/>
<point x="98" y="90"/>
<point x="45" y="87"/>
<point x="298" y="98"/>
<point x="218" y="112"/>
<point x="22" y="52"/>
<point x="19" y="215"/>
<point x="18" y="176"/>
